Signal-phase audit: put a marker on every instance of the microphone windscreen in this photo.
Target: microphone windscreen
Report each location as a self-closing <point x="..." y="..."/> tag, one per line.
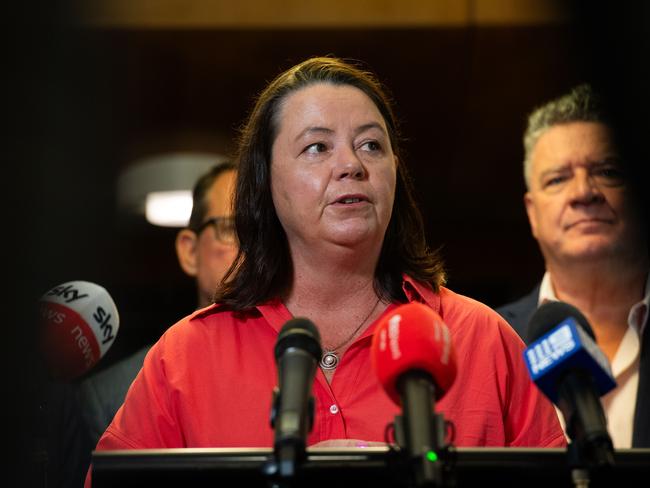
<point x="79" y="322"/>
<point x="300" y="333"/>
<point x="413" y="338"/>
<point x="550" y="314"/>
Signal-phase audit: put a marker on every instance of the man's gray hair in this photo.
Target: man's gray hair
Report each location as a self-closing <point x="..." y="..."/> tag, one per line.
<point x="581" y="104"/>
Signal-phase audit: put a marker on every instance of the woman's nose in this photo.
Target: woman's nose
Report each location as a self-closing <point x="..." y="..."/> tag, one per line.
<point x="349" y="165"/>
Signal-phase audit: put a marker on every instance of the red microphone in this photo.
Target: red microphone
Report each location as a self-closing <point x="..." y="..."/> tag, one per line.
<point x="413" y="338"/>
<point x="79" y="323"/>
<point x="413" y="357"/>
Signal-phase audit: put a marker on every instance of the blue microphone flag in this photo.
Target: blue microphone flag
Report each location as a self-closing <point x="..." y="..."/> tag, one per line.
<point x="567" y="347"/>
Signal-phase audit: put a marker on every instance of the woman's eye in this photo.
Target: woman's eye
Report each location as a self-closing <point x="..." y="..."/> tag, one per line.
<point x="371" y="146"/>
<point x="315" y="148"/>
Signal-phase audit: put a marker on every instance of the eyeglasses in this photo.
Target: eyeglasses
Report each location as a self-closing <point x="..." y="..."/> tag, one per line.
<point x="224" y="229"/>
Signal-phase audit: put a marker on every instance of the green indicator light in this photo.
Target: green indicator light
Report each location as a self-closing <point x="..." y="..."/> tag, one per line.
<point x="432" y="456"/>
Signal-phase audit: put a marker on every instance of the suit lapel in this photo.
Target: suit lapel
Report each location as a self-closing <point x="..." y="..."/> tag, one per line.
<point x="641" y="433"/>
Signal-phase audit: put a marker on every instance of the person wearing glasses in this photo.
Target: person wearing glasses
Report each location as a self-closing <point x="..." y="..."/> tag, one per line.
<point x="205" y="249"/>
<point x="208" y="246"/>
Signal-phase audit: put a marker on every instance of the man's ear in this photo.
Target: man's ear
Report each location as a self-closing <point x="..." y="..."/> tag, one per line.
<point x="530" y="210"/>
<point x="186" y="252"/>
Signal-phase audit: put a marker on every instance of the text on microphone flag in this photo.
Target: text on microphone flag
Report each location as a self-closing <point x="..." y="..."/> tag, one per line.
<point x="79" y="323"/>
<point x="551" y="347"/>
<point x="393" y="336"/>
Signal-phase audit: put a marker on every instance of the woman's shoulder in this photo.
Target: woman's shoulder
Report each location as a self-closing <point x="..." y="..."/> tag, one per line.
<point x="459" y="310"/>
<point x="451" y="306"/>
<point x="452" y="303"/>
<point x="202" y="324"/>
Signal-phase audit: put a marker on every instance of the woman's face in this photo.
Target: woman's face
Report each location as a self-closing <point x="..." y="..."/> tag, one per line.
<point x="332" y="169"/>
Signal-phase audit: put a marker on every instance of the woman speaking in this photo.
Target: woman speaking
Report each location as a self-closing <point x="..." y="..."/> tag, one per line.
<point x="328" y="230"/>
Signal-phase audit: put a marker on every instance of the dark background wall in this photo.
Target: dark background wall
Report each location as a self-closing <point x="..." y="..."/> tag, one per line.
<point x="462" y="95"/>
<point x="91" y="99"/>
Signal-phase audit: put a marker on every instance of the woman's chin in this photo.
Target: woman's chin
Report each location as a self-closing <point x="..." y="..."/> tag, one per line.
<point x="353" y="237"/>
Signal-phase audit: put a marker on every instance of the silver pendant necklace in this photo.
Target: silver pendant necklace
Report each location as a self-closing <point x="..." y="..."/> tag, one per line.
<point x="330" y="358"/>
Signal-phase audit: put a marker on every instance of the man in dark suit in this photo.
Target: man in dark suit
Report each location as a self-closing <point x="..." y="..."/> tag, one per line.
<point x="580" y="209"/>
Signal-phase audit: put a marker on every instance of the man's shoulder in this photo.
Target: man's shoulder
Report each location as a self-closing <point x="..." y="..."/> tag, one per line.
<point x="518" y="312"/>
<point x="103" y="391"/>
<point x="116" y="378"/>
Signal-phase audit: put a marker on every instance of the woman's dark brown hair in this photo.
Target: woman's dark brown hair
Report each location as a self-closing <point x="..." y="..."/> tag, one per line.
<point x="263" y="268"/>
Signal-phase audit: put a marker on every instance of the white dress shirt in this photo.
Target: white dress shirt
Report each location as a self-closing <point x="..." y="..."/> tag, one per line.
<point x="619" y="403"/>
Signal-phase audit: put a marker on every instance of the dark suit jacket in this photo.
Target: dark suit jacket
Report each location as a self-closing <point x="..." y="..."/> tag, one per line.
<point x="518" y="313"/>
<point x="102" y="393"/>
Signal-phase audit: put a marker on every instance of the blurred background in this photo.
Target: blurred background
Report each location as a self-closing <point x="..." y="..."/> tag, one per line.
<point x="96" y="88"/>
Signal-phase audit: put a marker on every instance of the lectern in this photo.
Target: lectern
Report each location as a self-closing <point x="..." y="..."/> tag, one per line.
<point x="372" y="467"/>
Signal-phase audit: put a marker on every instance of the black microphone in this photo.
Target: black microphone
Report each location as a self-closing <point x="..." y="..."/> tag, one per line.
<point x="297" y="352"/>
<point x="572" y="371"/>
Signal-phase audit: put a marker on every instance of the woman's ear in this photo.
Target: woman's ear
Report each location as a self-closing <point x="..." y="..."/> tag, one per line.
<point x="186" y="252"/>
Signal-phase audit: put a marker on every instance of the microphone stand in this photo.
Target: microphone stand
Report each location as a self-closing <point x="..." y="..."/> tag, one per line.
<point x="584" y="458"/>
<point x="421" y="433"/>
<point x="579" y="472"/>
<point x="575" y="461"/>
<point x="591" y="446"/>
<point x="282" y="467"/>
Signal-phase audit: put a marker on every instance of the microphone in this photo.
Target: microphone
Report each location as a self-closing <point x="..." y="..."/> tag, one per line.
<point x="297" y="352"/>
<point x="569" y="368"/>
<point x="413" y="357"/>
<point x="78" y="323"/>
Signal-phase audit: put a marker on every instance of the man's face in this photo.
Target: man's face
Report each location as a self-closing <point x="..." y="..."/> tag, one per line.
<point x="214" y="256"/>
<point x="577" y="203"/>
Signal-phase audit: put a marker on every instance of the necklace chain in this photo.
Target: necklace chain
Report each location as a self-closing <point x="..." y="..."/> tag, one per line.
<point x="330" y="360"/>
